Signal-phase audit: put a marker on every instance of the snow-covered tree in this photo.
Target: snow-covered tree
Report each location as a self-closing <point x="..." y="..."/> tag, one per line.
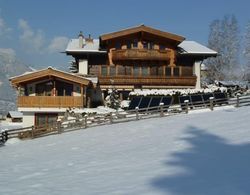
<point x="215" y="39"/>
<point x="224" y="38"/>
<point x="112" y="100"/>
<point x="246" y="52"/>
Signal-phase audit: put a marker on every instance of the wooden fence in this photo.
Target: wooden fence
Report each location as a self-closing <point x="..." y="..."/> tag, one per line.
<point x="118" y="117"/>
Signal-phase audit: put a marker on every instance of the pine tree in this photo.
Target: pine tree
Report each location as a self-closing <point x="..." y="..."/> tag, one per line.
<point x="112" y="100"/>
<point x="246" y="52"/>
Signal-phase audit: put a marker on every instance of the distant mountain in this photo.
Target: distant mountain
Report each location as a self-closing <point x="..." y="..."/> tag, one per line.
<point x="9" y="66"/>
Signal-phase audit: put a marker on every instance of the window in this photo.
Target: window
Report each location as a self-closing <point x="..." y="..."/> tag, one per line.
<point x="162" y="47"/>
<point x="118" y="45"/>
<point x="129" y="45"/>
<point x="121" y="70"/>
<point x="160" y="70"/>
<point x="168" y="71"/>
<point x="112" y="71"/>
<point x="145" y="45"/>
<point x="176" y="71"/>
<point x="144" y="70"/>
<point x="153" y="70"/>
<point x="148" y="45"/>
<point x="44" y="89"/>
<point x="104" y="71"/>
<point x="45" y="119"/>
<point x="135" y="44"/>
<point x="136" y="71"/>
<point x="127" y="70"/>
<point x="151" y="45"/>
<point x="63" y="88"/>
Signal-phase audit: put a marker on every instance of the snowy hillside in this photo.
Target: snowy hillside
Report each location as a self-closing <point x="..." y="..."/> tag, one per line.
<point x="198" y="153"/>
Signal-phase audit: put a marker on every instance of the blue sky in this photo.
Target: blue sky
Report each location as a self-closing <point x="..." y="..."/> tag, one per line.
<point x="36" y="31"/>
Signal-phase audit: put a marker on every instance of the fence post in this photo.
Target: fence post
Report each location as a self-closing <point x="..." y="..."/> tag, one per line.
<point x="110" y="118"/>
<point x="237" y="100"/>
<point x="59" y="127"/>
<point x="85" y="121"/>
<point x="161" y="109"/>
<point x="211" y="103"/>
<point x="137" y="113"/>
<point x="186" y="106"/>
<point x="4" y="136"/>
<point x="32" y="132"/>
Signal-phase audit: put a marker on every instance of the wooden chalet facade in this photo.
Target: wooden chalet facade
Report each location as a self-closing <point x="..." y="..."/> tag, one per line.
<point x="140" y="58"/>
<point x="44" y="95"/>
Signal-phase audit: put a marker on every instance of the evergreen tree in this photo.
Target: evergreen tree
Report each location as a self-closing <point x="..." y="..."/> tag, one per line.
<point x="112" y="100"/>
<point x="246" y="52"/>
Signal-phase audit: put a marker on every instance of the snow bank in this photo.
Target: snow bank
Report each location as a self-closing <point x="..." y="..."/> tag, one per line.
<point x="165" y="92"/>
<point x="12" y="141"/>
<point x="205" y="153"/>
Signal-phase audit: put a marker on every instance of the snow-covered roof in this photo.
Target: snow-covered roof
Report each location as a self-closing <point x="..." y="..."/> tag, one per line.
<point x="15" y="114"/>
<point x="49" y="70"/>
<point x="192" y="47"/>
<point x="73" y="46"/>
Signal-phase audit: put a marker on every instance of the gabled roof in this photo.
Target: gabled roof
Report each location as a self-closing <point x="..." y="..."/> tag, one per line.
<point x="89" y="47"/>
<point x="194" y="48"/>
<point x="15" y="114"/>
<point x="142" y="28"/>
<point x="15" y="81"/>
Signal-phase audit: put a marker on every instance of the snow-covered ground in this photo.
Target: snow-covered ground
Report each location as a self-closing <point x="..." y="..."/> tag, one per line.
<point x="194" y="154"/>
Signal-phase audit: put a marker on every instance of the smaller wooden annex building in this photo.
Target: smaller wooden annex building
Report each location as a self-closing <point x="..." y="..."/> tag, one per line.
<point x="14" y="117"/>
<point x="45" y="95"/>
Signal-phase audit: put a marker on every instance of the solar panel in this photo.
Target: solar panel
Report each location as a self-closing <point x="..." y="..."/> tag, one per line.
<point x="197" y="100"/>
<point x="144" y="102"/>
<point x="167" y="101"/>
<point x="220" y="98"/>
<point x="182" y="100"/>
<point x="155" y="101"/>
<point x="206" y="97"/>
<point x="134" y="102"/>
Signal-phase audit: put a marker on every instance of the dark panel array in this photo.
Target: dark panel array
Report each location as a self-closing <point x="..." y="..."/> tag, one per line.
<point x="195" y="100"/>
<point x="150" y="103"/>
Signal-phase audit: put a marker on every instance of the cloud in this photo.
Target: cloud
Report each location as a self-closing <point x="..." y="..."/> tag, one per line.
<point x="4" y="29"/>
<point x="8" y="53"/>
<point x="58" y="44"/>
<point x="32" y="40"/>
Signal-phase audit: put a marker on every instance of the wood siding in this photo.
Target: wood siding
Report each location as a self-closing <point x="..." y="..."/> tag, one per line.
<point x="140" y="54"/>
<point x="50" y="101"/>
<point x="152" y="80"/>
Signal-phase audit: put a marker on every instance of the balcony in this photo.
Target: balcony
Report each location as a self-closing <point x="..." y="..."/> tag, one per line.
<point x="50" y="101"/>
<point x="152" y="80"/>
<point x="140" y="54"/>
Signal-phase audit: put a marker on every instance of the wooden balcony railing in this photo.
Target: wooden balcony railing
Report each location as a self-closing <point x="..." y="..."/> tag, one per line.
<point x="140" y="54"/>
<point x="152" y="80"/>
<point x="50" y="101"/>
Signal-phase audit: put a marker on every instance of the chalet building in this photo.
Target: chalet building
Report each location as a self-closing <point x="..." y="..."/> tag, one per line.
<point x="139" y="58"/>
<point x="44" y="95"/>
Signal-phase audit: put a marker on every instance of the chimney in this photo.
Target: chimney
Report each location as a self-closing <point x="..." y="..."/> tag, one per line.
<point x="89" y="39"/>
<point x="81" y="37"/>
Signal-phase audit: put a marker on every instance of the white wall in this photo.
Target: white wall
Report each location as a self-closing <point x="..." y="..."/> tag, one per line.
<point x="83" y="67"/>
<point x="28" y="119"/>
<point x="197" y="72"/>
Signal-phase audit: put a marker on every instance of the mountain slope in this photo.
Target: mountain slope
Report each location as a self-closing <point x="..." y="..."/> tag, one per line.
<point x="9" y="66"/>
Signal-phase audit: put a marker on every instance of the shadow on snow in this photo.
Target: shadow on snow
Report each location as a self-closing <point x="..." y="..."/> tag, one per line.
<point x="212" y="166"/>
